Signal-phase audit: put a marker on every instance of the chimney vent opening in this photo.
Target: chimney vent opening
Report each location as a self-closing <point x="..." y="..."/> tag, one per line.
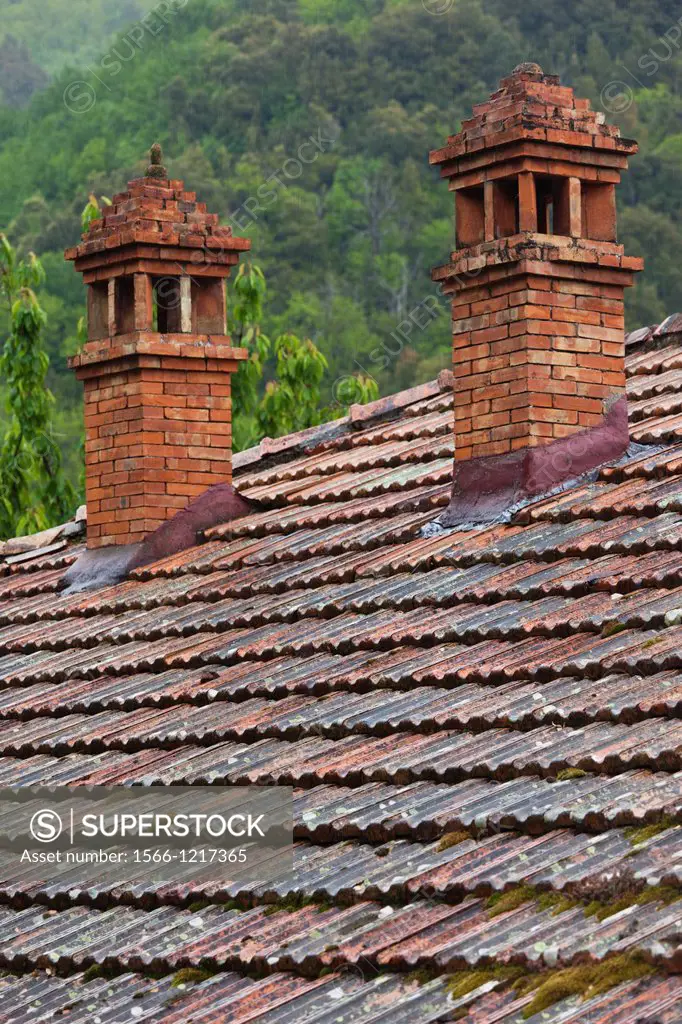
<point x="166" y="304"/>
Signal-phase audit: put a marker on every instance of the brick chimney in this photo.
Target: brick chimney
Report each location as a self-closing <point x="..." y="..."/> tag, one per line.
<point x="157" y="363"/>
<point x="537" y="283"/>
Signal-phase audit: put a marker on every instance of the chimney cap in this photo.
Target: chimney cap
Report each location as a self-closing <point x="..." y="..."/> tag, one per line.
<point x="156" y="168"/>
<point x="532" y="110"/>
<point x="156" y="211"/>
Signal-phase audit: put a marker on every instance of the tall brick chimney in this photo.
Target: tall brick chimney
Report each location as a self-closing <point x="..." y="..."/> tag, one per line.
<point x="537" y="283"/>
<point x="157" y="363"/>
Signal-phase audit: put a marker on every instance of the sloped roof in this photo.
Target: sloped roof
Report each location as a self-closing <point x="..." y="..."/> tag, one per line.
<point x="462" y="714"/>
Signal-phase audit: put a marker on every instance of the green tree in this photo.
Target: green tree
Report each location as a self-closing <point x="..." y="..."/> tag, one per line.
<point x="92" y="209"/>
<point x="246" y="315"/>
<point x="292" y="400"/>
<point x="20" y="77"/>
<point x="307" y="122"/>
<point x="34" y="492"/>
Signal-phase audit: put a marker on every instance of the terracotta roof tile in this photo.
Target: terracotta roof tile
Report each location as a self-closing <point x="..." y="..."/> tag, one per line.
<point x="447" y="938"/>
<point x="519" y="684"/>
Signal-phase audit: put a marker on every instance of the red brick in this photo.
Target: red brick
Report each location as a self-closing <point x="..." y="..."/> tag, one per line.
<point x="552" y="328"/>
<point x="591" y="345"/>
<point x="490" y="334"/>
<point x="604" y="333"/>
<point x="584" y="405"/>
<point x="576" y="316"/>
<point x="600" y="305"/>
<point x="489" y="305"/>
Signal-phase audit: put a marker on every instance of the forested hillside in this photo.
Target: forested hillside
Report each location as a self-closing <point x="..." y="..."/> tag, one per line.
<point x="53" y="33"/>
<point x="306" y="124"/>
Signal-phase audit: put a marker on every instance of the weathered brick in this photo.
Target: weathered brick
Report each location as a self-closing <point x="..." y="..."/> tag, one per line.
<point x="158" y="415"/>
<point x="576" y="316"/>
<point x="489" y="305"/>
<point x="539" y="332"/>
<point x="604" y="333"/>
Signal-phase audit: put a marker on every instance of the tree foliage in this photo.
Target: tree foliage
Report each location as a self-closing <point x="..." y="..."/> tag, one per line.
<point x="20" y="76"/>
<point x="248" y="290"/>
<point x="292" y="399"/>
<point x="306" y="125"/>
<point x="34" y="492"/>
<point x="59" y="32"/>
<point x="93" y="209"/>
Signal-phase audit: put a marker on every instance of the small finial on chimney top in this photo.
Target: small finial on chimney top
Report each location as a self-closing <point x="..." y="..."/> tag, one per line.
<point x="156" y="168"/>
<point x="529" y="68"/>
